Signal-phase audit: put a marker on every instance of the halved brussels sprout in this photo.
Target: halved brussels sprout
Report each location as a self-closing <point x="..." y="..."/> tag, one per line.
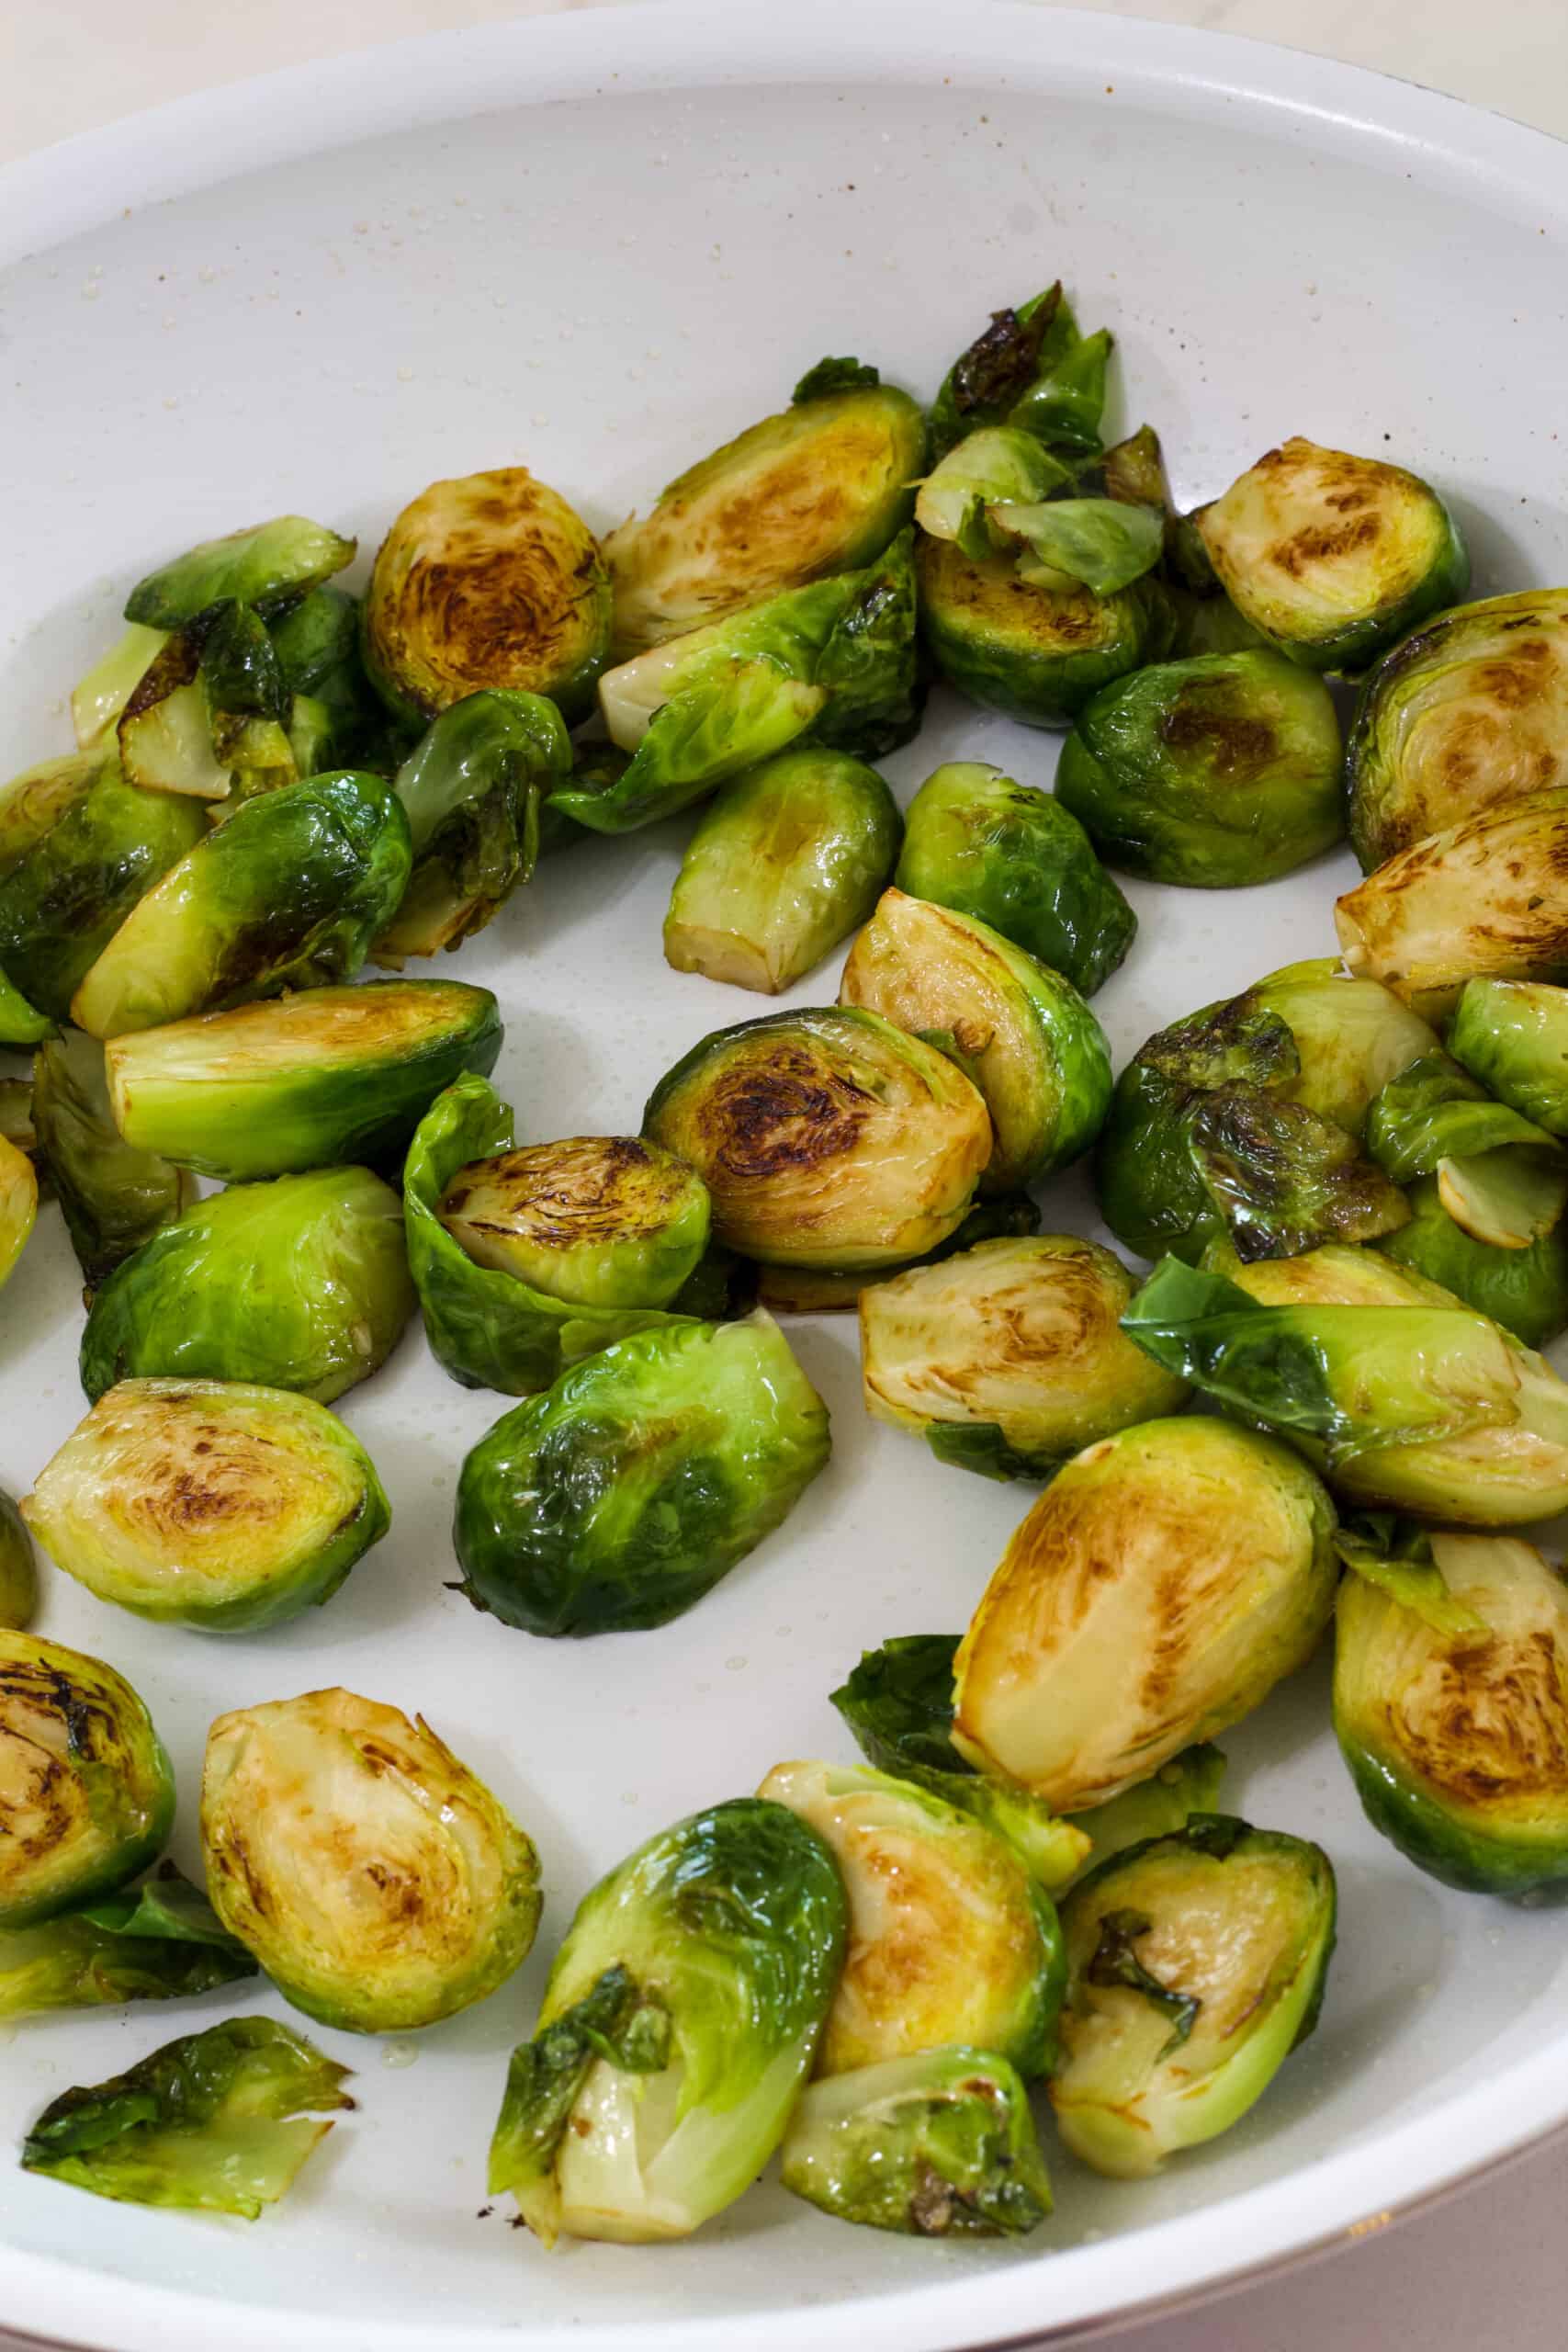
<point x="1030" y="368"/>
<point x="997" y="465"/>
<point x="208" y="718"/>
<point x="938" y="2144"/>
<point x="1470" y="711"/>
<point x="836" y="658"/>
<point x="219" y="2121"/>
<point x="491" y="580"/>
<point x="210" y="1503"/>
<point x="1351" y="1036"/>
<point x="18" y="1570"/>
<point x="1009" y="1357"/>
<point x="1035" y="654"/>
<point x="1334" y="557"/>
<point x="1020" y="1031"/>
<point x="623" y="1494"/>
<point x="1524" y="1290"/>
<point x="801" y="1290"/>
<point x="373" y="1876"/>
<point x="296" y="1083"/>
<point x="826" y="1137"/>
<point x="267" y="565"/>
<point x="678" y="2027"/>
<point x="1217" y="771"/>
<point x="1010" y="855"/>
<point x="1408" y="1400"/>
<point x="1485" y="900"/>
<point x="782" y="866"/>
<point x="32" y="804"/>
<point x="1155" y="1594"/>
<point x="60" y="906"/>
<point x="494" y="1327"/>
<point x="87" y="1796"/>
<point x="898" y="1705"/>
<point x="951" y="1939"/>
<point x="1513" y="1037"/>
<point x="113" y="1191"/>
<point x="1198" y="1963"/>
<point x="159" y="1941"/>
<point x="99" y="698"/>
<point x="300" y="1284"/>
<point x="19" y="1204"/>
<point x="1450" y="1705"/>
<point x="288" y="893"/>
<point x="820" y="489"/>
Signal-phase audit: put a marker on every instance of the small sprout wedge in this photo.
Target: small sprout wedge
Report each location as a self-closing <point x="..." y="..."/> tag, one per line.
<point x="113" y="1191"/>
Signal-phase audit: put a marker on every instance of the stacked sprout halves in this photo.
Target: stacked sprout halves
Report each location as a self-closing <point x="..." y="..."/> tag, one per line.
<point x="1326" y="1401"/>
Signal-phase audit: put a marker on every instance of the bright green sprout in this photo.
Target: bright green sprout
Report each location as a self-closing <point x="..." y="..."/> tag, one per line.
<point x="113" y="1191"/>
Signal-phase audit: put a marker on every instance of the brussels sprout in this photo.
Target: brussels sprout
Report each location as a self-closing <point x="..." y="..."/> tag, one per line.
<point x="19" y="1204"/>
<point x="487" y="581"/>
<point x="836" y="658"/>
<point x="1035" y="654"/>
<point x="219" y="2121"/>
<point x="97" y="699"/>
<point x="1283" y="1179"/>
<point x="1502" y="1180"/>
<point x="800" y="1290"/>
<point x="1467" y="713"/>
<point x="491" y="1327"/>
<point x="1011" y="1358"/>
<point x="1333" y="557"/>
<point x="1197" y="1962"/>
<point x="1011" y="856"/>
<point x="679" y="2024"/>
<point x="113" y="1192"/>
<point x="302" y="1284"/>
<point x="1350" y="1036"/>
<point x="1513" y="1037"/>
<point x="33" y="803"/>
<point x="208" y="718"/>
<point x="996" y="466"/>
<point x="951" y="1939"/>
<point x="87" y="1796"/>
<point x="1095" y="543"/>
<point x="1155" y="1594"/>
<point x="898" y="1705"/>
<point x="1217" y="773"/>
<point x="938" y="2144"/>
<point x="68" y="897"/>
<point x="782" y="866"/>
<point x="1020" y="1031"/>
<point x="623" y="1494"/>
<point x="18" y="1570"/>
<point x="317" y="644"/>
<point x="375" y="1878"/>
<point x="267" y="565"/>
<point x="820" y="489"/>
<point x="160" y="1941"/>
<point x="1408" y="1400"/>
<point x="300" y="1081"/>
<point x="1485" y="900"/>
<point x="1209" y="623"/>
<point x="826" y="1137"/>
<point x="1030" y="368"/>
<point x="210" y="1503"/>
<point x="289" y="893"/>
<point x="1524" y="1290"/>
<point x="1450" y="1705"/>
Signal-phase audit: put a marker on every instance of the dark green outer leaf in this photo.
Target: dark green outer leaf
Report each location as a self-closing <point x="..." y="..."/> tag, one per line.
<point x="617" y="2021"/>
<point x="112" y="1195"/>
<point x="1283" y="1178"/>
<point x="1116" y="1961"/>
<point x="1434" y="1111"/>
<point x="835" y="376"/>
<point x="241" y="672"/>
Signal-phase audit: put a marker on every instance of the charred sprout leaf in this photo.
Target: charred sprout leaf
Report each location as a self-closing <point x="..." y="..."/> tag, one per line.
<point x="1524" y="1290"/>
<point x="1284" y="1180"/>
<point x="1467" y="713"/>
<point x="835" y="376"/>
<point x="373" y="1876"/>
<point x="1513" y="1037"/>
<point x="994" y="467"/>
<point x="596" y="1221"/>
<point x="1035" y="654"/>
<point x="941" y="2144"/>
<point x="734" y="1923"/>
<point x="296" y="1083"/>
<point x="1188" y="1524"/>
<point x="1198" y="1962"/>
<point x="783" y="864"/>
<point x="300" y="1284"/>
<point x="951" y="1939"/>
<point x="88" y="1795"/>
<point x="269" y="566"/>
<point x="18" y="1570"/>
<point x="159" y="1941"/>
<point x="622" y="1495"/>
<point x="487" y="581"/>
<point x="113" y="1192"/>
<point x="1031" y="369"/>
<point x="1101" y="544"/>
<point x="19" y="1204"/>
<point x="827" y="1139"/>
<point x="97" y="699"/>
<point x="210" y="1503"/>
<point x="221" y="2121"/>
<point x="1333" y="557"/>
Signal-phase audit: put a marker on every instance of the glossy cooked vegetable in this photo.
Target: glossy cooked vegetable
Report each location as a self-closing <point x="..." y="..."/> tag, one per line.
<point x="1524" y="1290"/>
<point x="679" y="2024"/>
<point x="622" y="1495"/>
<point x="113" y="1192"/>
<point x="299" y="1284"/>
<point x="1031" y="369"/>
<point x="208" y="720"/>
<point x="1035" y="654"/>
<point x="159" y="1941"/>
<point x="19" y="1204"/>
<point x="268" y="566"/>
<point x="296" y="1083"/>
<point x="208" y="1503"/>
<point x="376" y="1880"/>
<point x="1513" y="1037"/>
<point x="32" y="804"/>
<point x="827" y="1137"/>
<point x="18" y="1570"/>
<point x="1156" y="1592"/>
<point x="799" y="1290"/>
<point x="784" y="864"/>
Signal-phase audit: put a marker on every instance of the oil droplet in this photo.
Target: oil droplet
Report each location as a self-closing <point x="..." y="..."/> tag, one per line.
<point x="398" y="2054"/>
<point x="735" y="1664"/>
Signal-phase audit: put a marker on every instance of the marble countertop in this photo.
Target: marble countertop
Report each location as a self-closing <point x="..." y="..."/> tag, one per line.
<point x="1485" y="2268"/>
